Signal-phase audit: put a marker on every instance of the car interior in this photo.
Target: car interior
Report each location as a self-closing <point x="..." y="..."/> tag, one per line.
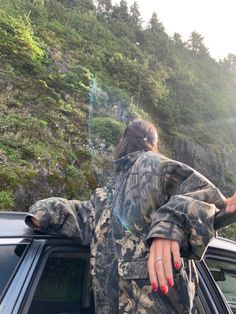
<point x="64" y="287"/>
<point x="224" y="273"/>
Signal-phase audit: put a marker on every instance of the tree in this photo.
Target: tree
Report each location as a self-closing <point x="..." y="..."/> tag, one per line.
<point x="195" y="44"/>
<point x="35" y="3"/>
<point x="104" y="6"/>
<point x="177" y="38"/>
<point x="104" y="9"/>
<point x="121" y="11"/>
<point x="123" y="8"/>
<point x="135" y="14"/>
<point x="229" y="62"/>
<point x="84" y="4"/>
<point x="156" y="41"/>
<point x="155" y="24"/>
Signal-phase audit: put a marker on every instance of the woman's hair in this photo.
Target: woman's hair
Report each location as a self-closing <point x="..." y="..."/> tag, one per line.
<point x="139" y="135"/>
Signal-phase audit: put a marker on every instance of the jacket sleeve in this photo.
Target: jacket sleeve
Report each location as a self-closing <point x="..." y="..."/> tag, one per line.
<point x="60" y="216"/>
<point x="187" y="214"/>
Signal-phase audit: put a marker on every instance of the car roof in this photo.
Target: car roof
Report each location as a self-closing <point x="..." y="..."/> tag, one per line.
<point x="223" y="244"/>
<point x="12" y="225"/>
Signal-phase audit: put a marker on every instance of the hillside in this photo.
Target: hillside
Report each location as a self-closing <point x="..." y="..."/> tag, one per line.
<point x="73" y="74"/>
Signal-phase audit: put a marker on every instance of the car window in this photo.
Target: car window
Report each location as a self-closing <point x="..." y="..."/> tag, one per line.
<point x="224" y="273"/>
<point x="64" y="286"/>
<point x="10" y="256"/>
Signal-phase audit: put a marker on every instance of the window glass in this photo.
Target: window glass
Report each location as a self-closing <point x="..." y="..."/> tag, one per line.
<point x="63" y="286"/>
<point x="224" y="273"/>
<point x="9" y="257"/>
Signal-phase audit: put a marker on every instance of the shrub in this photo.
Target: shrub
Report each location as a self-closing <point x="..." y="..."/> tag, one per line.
<point x="107" y="128"/>
<point x="13" y="103"/>
<point x="18" y="44"/>
<point x="6" y="200"/>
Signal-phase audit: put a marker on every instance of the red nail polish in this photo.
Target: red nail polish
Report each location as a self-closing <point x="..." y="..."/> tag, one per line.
<point x="170" y="282"/>
<point x="164" y="290"/>
<point x="177" y="265"/>
<point x="154" y="287"/>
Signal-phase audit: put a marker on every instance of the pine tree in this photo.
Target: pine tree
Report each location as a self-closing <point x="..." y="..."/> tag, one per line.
<point x="156" y="40"/>
<point x="104" y="6"/>
<point x="121" y="11"/>
<point x="229" y="63"/>
<point x="104" y="9"/>
<point x="195" y="44"/>
<point x="155" y="24"/>
<point x="135" y="14"/>
<point x="177" y="38"/>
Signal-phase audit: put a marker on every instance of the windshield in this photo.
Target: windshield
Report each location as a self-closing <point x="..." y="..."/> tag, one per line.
<point x="74" y="73"/>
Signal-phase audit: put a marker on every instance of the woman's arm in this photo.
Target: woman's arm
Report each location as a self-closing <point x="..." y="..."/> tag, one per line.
<point x="60" y="216"/>
<point x="188" y="214"/>
<point x="184" y="223"/>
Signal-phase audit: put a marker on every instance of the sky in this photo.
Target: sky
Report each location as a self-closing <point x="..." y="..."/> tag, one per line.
<point x="215" y="20"/>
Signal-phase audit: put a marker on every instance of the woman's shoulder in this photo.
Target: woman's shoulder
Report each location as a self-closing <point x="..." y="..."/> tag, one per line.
<point x="151" y="156"/>
<point x="156" y="159"/>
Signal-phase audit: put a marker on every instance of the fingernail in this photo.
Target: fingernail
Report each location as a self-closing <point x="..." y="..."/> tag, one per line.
<point x="177" y="265"/>
<point x="164" y="290"/>
<point x="170" y="282"/>
<point x="154" y="287"/>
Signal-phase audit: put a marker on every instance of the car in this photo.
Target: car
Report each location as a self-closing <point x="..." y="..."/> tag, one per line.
<point x="41" y="274"/>
<point x="47" y="274"/>
<point x="217" y="278"/>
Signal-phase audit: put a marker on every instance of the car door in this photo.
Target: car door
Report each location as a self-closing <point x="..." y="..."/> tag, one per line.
<point x="216" y="293"/>
<point x="18" y="257"/>
<point x="210" y="299"/>
<point x="221" y="261"/>
<point x="61" y="282"/>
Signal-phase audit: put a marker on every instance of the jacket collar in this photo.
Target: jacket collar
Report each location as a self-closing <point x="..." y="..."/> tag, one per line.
<point x="124" y="163"/>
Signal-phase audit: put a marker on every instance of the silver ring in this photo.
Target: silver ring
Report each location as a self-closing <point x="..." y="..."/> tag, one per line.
<point x="157" y="258"/>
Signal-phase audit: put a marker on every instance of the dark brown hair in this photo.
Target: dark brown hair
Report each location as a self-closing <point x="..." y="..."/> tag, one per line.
<point x="139" y="135"/>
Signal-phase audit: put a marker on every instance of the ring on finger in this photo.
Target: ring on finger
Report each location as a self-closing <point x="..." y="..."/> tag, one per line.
<point x="157" y="258"/>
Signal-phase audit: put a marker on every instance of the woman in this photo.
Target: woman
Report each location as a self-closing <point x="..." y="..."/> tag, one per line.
<point x="158" y="210"/>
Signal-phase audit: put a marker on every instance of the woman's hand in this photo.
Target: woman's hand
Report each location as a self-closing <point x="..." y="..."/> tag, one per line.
<point x="231" y="204"/>
<point x="160" y="263"/>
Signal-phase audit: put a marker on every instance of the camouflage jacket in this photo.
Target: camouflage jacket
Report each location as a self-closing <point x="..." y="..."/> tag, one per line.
<point x="153" y="197"/>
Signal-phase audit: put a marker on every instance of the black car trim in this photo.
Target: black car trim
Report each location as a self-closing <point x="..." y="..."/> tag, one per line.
<point x="220" y="257"/>
<point x="200" y="300"/>
<point x="208" y="284"/>
<point x="216" y="253"/>
<point x="224" y="259"/>
<point x="41" y="245"/>
<point x="19" y="284"/>
<point x="223" y="219"/>
<point x="16" y="268"/>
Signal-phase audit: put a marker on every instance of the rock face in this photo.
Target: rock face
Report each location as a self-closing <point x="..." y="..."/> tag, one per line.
<point x="220" y="168"/>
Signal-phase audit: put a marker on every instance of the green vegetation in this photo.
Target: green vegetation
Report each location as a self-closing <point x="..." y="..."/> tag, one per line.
<point x="6" y="200"/>
<point x="229" y="232"/>
<point x="17" y="44"/>
<point x="74" y="73"/>
<point x="109" y="129"/>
